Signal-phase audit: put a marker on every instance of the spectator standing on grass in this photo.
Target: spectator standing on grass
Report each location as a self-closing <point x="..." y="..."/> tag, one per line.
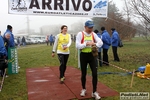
<point x="84" y="41"/>
<point x="18" y="41"/>
<point x="11" y="40"/>
<point x="23" y="41"/>
<point x="6" y="41"/>
<point x="47" y="40"/>
<point x="106" y="44"/>
<point x="51" y="40"/>
<point x="114" y="43"/>
<point x="62" y="44"/>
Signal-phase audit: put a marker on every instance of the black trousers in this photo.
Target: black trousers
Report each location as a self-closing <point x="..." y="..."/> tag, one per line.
<point x="63" y="58"/>
<point x="88" y="58"/>
<point x="115" y="54"/>
<point x="47" y="42"/>
<point x="51" y="43"/>
<point x="2" y="72"/>
<point x="3" y="66"/>
<point x="105" y="56"/>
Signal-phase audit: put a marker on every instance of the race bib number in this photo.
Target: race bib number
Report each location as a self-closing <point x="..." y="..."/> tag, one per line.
<point x="86" y="42"/>
<point x="63" y="45"/>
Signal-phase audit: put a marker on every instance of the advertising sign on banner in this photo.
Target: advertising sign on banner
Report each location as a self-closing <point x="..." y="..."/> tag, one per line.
<point x="12" y="61"/>
<point x="81" y="8"/>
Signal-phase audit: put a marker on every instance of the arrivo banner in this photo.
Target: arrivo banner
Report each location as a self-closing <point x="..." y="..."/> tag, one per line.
<point x="81" y="8"/>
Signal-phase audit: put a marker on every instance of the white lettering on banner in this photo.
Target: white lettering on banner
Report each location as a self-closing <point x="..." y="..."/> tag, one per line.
<point x="93" y="8"/>
<point x="13" y="67"/>
<point x="12" y="53"/>
<point x="13" y="61"/>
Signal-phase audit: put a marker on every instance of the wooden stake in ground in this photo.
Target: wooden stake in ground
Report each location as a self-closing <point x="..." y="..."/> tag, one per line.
<point x="3" y="80"/>
<point x="132" y="78"/>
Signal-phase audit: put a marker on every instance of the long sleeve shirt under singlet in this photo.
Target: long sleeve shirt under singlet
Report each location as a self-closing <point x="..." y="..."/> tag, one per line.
<point x="79" y="37"/>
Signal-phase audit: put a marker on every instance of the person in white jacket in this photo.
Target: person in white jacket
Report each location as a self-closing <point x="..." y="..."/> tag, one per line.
<point x="84" y="41"/>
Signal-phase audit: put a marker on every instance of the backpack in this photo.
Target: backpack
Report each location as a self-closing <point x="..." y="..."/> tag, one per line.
<point x="120" y="44"/>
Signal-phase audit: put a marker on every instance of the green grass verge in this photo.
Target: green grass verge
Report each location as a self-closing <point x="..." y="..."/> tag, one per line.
<point x="132" y="56"/>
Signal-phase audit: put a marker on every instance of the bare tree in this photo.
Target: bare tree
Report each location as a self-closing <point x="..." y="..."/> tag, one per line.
<point x="140" y="10"/>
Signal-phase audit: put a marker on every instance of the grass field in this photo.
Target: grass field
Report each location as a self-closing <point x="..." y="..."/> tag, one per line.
<point x="133" y="55"/>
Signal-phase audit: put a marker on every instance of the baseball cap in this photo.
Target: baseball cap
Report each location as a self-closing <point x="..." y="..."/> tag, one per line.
<point x="89" y="23"/>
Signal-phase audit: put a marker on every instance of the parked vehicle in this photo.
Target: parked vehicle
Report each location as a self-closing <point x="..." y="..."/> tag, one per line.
<point x="32" y="40"/>
<point x="28" y="41"/>
<point x="44" y="40"/>
<point x="39" y="40"/>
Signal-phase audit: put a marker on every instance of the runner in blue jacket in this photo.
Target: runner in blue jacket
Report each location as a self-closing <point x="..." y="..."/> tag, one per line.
<point x="114" y="43"/>
<point x="106" y="44"/>
<point x="11" y="40"/>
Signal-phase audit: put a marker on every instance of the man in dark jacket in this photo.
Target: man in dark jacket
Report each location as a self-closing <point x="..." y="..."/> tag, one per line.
<point x="23" y="41"/>
<point x="114" y="43"/>
<point x="106" y="44"/>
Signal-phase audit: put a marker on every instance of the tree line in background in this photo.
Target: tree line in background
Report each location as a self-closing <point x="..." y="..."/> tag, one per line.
<point x="133" y="20"/>
<point x="139" y="9"/>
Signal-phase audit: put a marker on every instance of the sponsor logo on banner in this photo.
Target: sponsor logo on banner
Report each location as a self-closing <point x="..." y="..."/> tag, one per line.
<point x="19" y="5"/>
<point x="85" y="8"/>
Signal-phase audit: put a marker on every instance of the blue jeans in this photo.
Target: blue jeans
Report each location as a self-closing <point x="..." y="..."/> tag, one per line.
<point x="24" y="44"/>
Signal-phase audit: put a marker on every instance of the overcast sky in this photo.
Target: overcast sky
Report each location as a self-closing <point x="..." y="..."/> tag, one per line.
<point x="20" y="21"/>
